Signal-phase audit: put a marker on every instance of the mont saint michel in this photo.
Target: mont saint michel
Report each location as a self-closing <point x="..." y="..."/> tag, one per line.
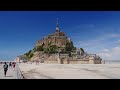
<point x="58" y="48"/>
<point x="59" y="45"/>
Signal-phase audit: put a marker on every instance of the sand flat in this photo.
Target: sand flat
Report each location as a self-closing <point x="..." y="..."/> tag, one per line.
<point x="70" y="71"/>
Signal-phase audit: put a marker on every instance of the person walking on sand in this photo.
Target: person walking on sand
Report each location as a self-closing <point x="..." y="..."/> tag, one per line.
<point x="14" y="65"/>
<point x="5" y="69"/>
<point x="10" y="65"/>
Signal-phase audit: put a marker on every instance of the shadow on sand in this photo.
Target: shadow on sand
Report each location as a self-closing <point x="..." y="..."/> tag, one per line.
<point x="9" y="76"/>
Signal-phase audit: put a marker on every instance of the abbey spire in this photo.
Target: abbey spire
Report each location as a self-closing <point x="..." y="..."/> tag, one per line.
<point x="57" y="27"/>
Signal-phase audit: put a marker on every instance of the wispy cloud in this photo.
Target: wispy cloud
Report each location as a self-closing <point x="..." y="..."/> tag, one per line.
<point x="103" y="41"/>
<point x="114" y="35"/>
<point x="99" y="40"/>
<point x="101" y="46"/>
<point x="118" y="41"/>
<point x="112" y="54"/>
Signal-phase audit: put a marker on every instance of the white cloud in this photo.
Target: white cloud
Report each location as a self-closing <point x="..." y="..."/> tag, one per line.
<point x="118" y="41"/>
<point x="101" y="41"/>
<point x="106" y="50"/>
<point x="112" y="54"/>
<point x="115" y="35"/>
<point x="104" y="46"/>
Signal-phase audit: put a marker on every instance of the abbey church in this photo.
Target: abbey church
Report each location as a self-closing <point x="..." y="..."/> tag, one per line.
<point x="58" y="38"/>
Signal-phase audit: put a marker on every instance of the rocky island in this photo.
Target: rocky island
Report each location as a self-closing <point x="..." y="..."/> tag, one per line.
<point x="57" y="48"/>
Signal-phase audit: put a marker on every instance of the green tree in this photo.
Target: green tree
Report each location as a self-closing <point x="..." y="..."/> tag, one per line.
<point x="29" y="55"/>
<point x="74" y="48"/>
<point x="82" y="51"/>
<point x="39" y="48"/>
<point x="69" y="47"/>
<point x="53" y="49"/>
<point x="46" y="50"/>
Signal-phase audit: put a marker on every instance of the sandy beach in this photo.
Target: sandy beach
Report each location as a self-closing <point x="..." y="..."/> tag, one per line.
<point x="70" y="71"/>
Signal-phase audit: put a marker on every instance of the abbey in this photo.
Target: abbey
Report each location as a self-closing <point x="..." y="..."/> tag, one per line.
<point x="57" y="48"/>
<point x="58" y="38"/>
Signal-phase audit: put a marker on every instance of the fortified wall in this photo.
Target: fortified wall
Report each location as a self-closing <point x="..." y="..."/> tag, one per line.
<point x="65" y="59"/>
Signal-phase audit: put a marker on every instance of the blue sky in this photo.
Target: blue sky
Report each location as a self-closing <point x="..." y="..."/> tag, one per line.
<point x="98" y="32"/>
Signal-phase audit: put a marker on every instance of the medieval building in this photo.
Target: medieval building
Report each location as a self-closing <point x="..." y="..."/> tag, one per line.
<point x="58" y="38"/>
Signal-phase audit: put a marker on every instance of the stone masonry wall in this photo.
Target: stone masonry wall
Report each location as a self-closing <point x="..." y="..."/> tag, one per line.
<point x="72" y="61"/>
<point x="50" y="62"/>
<point x="98" y="62"/>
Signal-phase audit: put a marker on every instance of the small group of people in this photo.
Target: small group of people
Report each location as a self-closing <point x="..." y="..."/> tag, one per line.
<point x="5" y="66"/>
<point x="12" y="65"/>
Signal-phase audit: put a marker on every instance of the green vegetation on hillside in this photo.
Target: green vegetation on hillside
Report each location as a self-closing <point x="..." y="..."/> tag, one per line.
<point x="29" y="55"/>
<point x="69" y="47"/>
<point x="55" y="49"/>
<point x="39" y="48"/>
<point x="51" y="49"/>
